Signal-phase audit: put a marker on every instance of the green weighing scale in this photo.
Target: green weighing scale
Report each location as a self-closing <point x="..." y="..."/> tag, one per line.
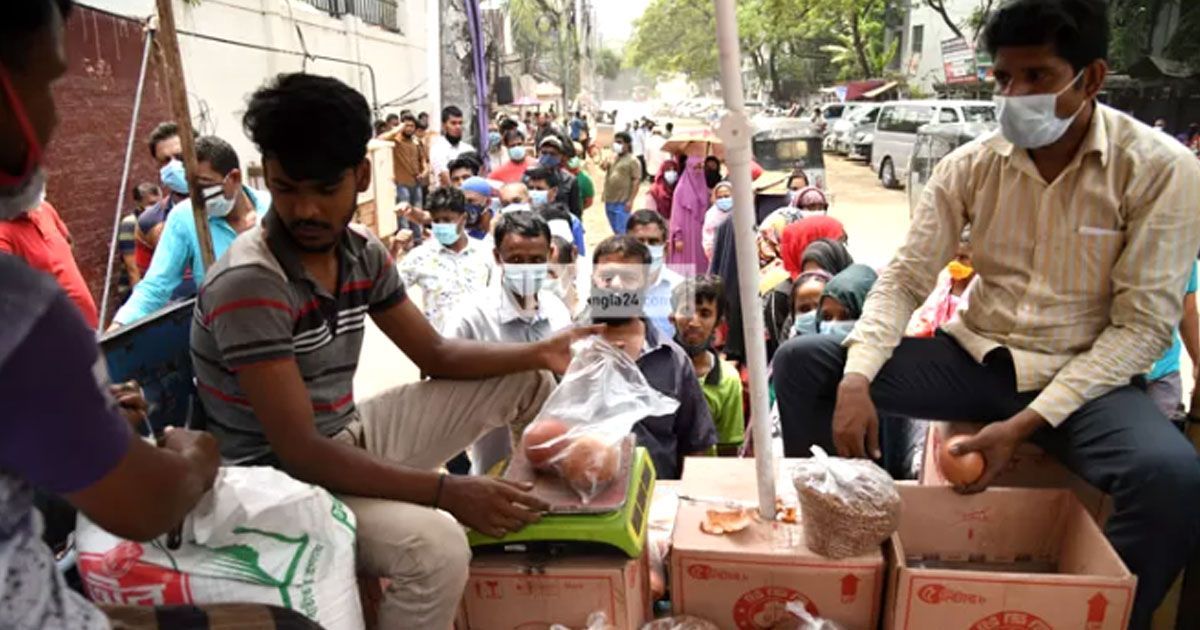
<point x="616" y="517"/>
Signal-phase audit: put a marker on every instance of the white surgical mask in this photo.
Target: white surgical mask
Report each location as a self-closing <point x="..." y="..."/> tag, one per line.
<point x="25" y="197"/>
<point x="657" y="255"/>
<point x="515" y="207"/>
<point x="670" y="176"/>
<point x="215" y="203"/>
<point x="525" y="280"/>
<point x="617" y="148"/>
<point x="1029" y="122"/>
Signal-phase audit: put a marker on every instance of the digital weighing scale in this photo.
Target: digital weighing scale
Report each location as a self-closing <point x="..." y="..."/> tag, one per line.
<point x="617" y="517"/>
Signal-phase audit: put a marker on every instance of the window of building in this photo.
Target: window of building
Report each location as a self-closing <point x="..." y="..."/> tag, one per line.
<point x="918" y="38"/>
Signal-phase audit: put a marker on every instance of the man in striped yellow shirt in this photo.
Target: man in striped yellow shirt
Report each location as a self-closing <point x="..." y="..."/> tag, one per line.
<point x="1084" y="223"/>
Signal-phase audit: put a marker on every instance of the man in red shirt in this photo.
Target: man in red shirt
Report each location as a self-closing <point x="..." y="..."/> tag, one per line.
<point x="43" y="241"/>
<point x="519" y="159"/>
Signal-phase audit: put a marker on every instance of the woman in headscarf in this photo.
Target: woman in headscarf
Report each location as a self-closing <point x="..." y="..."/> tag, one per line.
<point x="662" y="191"/>
<point x="717" y="215"/>
<point x="777" y="280"/>
<point x="687" y="220"/>
<point x="842" y="302"/>
<point x="826" y="255"/>
<point x="799" y="235"/>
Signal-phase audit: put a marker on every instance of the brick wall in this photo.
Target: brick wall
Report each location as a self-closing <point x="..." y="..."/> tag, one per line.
<point x="95" y="102"/>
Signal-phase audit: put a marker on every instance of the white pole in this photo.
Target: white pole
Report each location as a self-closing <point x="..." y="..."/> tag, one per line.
<point x="133" y="120"/>
<point x="735" y="131"/>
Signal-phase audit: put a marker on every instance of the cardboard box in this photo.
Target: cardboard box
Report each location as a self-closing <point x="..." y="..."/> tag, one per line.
<point x="509" y="591"/>
<point x="745" y="580"/>
<point x="1031" y="467"/>
<point x="1008" y="558"/>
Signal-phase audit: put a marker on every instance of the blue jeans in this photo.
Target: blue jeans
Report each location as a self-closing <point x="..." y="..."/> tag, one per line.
<point x="411" y="195"/>
<point x="618" y="216"/>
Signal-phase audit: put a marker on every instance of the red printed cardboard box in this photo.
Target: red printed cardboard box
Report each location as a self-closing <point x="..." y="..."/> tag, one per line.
<point x="745" y="580"/>
<point x="521" y="591"/>
<point x="1004" y="559"/>
<point x="1031" y="467"/>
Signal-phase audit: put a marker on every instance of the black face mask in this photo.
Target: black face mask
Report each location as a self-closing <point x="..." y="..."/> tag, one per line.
<point x="693" y="350"/>
<point x="712" y="178"/>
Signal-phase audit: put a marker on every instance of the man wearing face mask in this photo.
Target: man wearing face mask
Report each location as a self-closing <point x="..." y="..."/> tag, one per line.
<point x="451" y="267"/>
<point x="518" y="159"/>
<point x="447" y="146"/>
<point x="553" y="155"/>
<point x="166" y="149"/>
<point x="232" y="208"/>
<point x="514" y="197"/>
<point x="544" y="195"/>
<point x="650" y="229"/>
<point x="478" y="194"/>
<point x="518" y="309"/>
<point x="621" y="183"/>
<point x="620" y="272"/>
<point x="1085" y="230"/>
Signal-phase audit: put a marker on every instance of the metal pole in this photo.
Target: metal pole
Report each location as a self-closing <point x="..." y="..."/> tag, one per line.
<point x="133" y="120"/>
<point x="735" y="130"/>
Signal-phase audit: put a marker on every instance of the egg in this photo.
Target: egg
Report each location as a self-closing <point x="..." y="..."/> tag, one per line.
<point x="588" y="465"/>
<point x="543" y="440"/>
<point x="960" y="470"/>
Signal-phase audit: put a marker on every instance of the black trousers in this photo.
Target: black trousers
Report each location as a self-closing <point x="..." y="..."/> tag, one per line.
<point x="1119" y="443"/>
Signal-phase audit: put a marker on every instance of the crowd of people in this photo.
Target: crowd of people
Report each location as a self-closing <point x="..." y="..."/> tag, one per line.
<point x="1010" y="304"/>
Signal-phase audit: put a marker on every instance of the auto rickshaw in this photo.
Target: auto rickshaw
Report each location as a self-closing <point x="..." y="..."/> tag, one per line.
<point x="780" y="149"/>
<point x="934" y="142"/>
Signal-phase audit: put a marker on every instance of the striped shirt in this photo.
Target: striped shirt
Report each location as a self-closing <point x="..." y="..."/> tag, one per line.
<point x="1079" y="278"/>
<point x="259" y="304"/>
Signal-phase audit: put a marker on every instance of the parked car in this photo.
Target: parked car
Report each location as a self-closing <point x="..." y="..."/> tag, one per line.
<point x="838" y="141"/>
<point x="933" y="143"/>
<point x="896" y="131"/>
<point x="862" y="130"/>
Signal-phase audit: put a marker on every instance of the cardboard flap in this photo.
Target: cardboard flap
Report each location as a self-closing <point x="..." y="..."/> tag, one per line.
<point x="999" y="524"/>
<point x="1084" y="549"/>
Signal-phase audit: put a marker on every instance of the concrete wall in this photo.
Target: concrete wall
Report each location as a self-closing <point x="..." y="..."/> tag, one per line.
<point x="927" y="69"/>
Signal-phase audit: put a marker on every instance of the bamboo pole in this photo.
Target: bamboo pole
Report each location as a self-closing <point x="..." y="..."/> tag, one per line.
<point x="168" y="45"/>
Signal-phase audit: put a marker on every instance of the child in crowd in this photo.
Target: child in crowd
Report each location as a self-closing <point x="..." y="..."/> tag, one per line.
<point x="949" y="295"/>
<point x="698" y="307"/>
<point x="620" y="275"/>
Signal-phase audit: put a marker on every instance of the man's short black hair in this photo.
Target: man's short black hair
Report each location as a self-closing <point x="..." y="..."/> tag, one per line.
<point x="521" y="223"/>
<point x="317" y="127"/>
<point x="565" y="250"/>
<point x="218" y="153"/>
<point x="621" y="245"/>
<point x="143" y="190"/>
<point x="647" y="217"/>
<point x="507" y="124"/>
<point x="393" y="117"/>
<point x="1077" y="29"/>
<point x="468" y="161"/>
<point x="702" y="288"/>
<point x="408" y="117"/>
<point x="513" y="134"/>
<point x="621" y="136"/>
<point x="164" y="131"/>
<point x="448" y="198"/>
<point x="21" y="19"/>
<point x="542" y="174"/>
<point x="450" y="111"/>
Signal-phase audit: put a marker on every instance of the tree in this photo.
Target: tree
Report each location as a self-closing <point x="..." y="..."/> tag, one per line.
<point x="676" y="36"/>
<point x="608" y="63"/>
<point x="974" y="21"/>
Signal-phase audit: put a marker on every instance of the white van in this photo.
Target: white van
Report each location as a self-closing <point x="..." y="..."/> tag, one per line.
<point x="896" y="131"/>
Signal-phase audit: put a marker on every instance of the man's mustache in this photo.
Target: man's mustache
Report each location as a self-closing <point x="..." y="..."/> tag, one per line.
<point x="309" y="223"/>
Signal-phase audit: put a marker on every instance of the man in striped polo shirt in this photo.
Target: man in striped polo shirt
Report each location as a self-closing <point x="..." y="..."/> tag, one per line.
<point x="276" y="339"/>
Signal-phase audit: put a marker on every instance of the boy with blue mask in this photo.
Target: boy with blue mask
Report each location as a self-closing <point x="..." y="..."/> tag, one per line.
<point x="451" y="266"/>
<point x="545" y="195"/>
<point x="520" y="308"/>
<point x="650" y="229"/>
<point x="478" y="195"/>
<point x="553" y="155"/>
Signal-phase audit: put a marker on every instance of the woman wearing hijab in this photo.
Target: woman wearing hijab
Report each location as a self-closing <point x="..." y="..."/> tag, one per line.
<point x="793" y="242"/>
<point x="717" y="215"/>
<point x="662" y="191"/>
<point x="824" y="255"/>
<point x="827" y="255"/>
<point x="687" y="220"/>
<point x="842" y="302"/>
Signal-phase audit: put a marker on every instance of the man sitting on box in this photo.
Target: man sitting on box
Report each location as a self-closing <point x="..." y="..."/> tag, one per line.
<point x="1083" y="228"/>
<point x="276" y="340"/>
<point x="620" y="275"/>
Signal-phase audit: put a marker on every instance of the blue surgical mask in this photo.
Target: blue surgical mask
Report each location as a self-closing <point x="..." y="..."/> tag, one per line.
<point x="446" y="233"/>
<point x="174" y="177"/>
<point x="670" y="176"/>
<point x="516" y="154"/>
<point x="474" y="211"/>
<point x="539" y="198"/>
<point x="493" y="138"/>
<point x="725" y="204"/>
<point x="805" y="324"/>
<point x="549" y="161"/>
<point x="837" y="329"/>
<point x="525" y="280"/>
<point x="657" y="255"/>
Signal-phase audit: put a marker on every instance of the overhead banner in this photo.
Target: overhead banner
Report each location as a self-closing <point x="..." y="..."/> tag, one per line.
<point x="958" y="60"/>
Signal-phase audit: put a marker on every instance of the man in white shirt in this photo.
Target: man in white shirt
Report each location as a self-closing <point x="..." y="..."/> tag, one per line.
<point x="447" y="146"/>
<point x="650" y="229"/>
<point x="514" y="310"/>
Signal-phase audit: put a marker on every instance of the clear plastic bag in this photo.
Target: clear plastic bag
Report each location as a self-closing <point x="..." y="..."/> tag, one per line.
<point x="808" y="621"/>
<point x="582" y="423"/>
<point x="595" y="621"/>
<point x="847" y="506"/>
<point x="681" y="622"/>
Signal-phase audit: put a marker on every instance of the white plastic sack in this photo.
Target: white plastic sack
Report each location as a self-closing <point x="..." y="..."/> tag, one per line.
<point x="601" y="396"/>
<point x="258" y="536"/>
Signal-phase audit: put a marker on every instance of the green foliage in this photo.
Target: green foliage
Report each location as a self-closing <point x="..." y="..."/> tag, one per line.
<point x="608" y="63"/>
<point x="676" y="36"/>
<point x="1134" y="23"/>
